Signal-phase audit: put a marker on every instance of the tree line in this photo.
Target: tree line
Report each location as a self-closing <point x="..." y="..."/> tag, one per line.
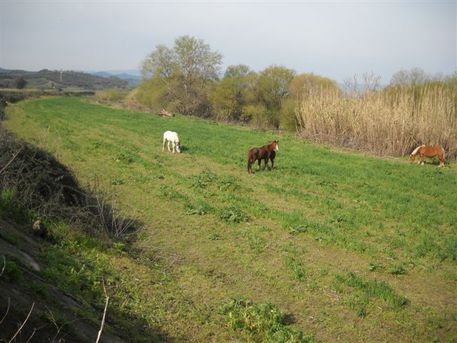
<point x="187" y="79"/>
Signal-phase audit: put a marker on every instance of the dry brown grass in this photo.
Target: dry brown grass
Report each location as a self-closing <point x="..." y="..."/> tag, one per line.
<point x="388" y="122"/>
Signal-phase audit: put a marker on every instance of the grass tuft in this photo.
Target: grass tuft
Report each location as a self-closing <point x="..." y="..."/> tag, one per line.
<point x="233" y="215"/>
<point x="261" y="322"/>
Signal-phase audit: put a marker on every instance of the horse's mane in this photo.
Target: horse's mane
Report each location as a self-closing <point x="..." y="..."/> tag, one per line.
<point x="417" y="149"/>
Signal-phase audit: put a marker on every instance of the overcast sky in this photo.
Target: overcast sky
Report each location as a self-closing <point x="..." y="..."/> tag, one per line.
<point x="337" y="39"/>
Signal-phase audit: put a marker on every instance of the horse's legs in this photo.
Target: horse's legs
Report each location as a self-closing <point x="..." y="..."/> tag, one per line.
<point x="259" y="161"/>
<point x="251" y="161"/>
<point x="272" y="163"/>
<point x="441" y="158"/>
<point x="169" y="146"/>
<point x="265" y="161"/>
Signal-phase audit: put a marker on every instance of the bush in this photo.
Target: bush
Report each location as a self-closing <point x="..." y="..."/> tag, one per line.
<point x="288" y="116"/>
<point x="110" y="95"/>
<point x="20" y="83"/>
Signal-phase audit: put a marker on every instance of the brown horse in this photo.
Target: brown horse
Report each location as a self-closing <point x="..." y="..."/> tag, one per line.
<point x="266" y="152"/>
<point x="428" y="151"/>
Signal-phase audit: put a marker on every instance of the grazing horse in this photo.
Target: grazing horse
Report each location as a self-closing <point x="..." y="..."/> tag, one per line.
<point x="266" y="152"/>
<point x="428" y="151"/>
<point x="172" y="140"/>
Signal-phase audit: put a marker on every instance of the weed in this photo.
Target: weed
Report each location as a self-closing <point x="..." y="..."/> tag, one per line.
<point x="297" y="268"/>
<point x="13" y="272"/>
<point x="373" y="288"/>
<point x="398" y="269"/>
<point x="261" y="322"/>
<point x="233" y="215"/>
<point x="256" y="243"/>
<point x="117" y="181"/>
<point x="204" y="179"/>
<point x="172" y="194"/>
<point x="295" y="230"/>
<point x="119" y="247"/>
<point x="228" y="184"/>
<point x="374" y="266"/>
<point x="358" y="302"/>
<point x="199" y="210"/>
<point x="214" y="236"/>
<point x="126" y="157"/>
<point x="449" y="249"/>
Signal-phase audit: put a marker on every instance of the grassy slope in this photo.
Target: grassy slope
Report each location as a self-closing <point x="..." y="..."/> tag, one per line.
<point x="336" y="239"/>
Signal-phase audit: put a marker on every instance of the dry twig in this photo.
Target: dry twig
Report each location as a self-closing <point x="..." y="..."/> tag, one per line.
<point x="25" y="321"/>
<point x="104" y="313"/>
<point x="11" y="160"/>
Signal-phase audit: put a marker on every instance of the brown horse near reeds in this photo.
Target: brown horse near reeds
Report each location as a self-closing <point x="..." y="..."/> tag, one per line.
<point x="428" y="151"/>
<point x="265" y="153"/>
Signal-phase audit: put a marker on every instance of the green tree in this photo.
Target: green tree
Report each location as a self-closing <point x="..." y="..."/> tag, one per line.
<point x="186" y="72"/>
<point x="308" y="84"/>
<point x="302" y="86"/>
<point x="229" y="95"/>
<point x="237" y="71"/>
<point x="272" y="89"/>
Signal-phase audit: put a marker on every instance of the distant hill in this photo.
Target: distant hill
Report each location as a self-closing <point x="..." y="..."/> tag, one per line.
<point x="53" y="79"/>
<point x="133" y="76"/>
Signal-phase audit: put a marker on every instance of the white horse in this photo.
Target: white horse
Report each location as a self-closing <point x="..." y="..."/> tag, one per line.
<point x="172" y="140"/>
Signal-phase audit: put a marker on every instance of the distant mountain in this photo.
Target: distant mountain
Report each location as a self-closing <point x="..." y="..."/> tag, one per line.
<point x="56" y="79"/>
<point x="100" y="73"/>
<point x="133" y="76"/>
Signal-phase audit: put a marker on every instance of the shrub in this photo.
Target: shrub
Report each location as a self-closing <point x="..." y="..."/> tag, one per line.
<point x="110" y="95"/>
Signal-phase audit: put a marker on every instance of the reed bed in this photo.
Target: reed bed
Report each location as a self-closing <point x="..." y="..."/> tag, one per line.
<point x="392" y="121"/>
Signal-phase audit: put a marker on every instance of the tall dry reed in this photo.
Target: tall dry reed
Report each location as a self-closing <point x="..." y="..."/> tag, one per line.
<point x="388" y="122"/>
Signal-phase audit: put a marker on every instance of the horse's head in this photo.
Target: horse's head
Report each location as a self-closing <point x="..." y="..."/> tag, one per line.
<point x="178" y="147"/>
<point x="412" y="156"/>
<point x="275" y="145"/>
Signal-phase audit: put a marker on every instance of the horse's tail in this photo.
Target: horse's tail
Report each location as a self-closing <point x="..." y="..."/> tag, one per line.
<point x="417" y="149"/>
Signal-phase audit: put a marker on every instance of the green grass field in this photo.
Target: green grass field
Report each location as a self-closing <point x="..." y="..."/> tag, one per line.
<point x="348" y="247"/>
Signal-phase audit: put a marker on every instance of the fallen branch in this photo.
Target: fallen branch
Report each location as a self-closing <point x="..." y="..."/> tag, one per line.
<point x="104" y="314"/>
<point x="11" y="160"/>
<point x="25" y="321"/>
